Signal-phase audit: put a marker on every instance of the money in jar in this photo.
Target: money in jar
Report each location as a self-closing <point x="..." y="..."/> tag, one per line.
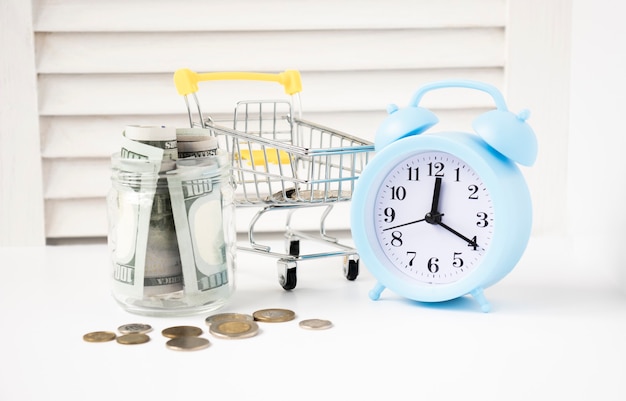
<point x="195" y="142"/>
<point x="162" y="272"/>
<point x="148" y="276"/>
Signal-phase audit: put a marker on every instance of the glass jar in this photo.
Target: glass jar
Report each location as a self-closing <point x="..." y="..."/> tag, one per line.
<point x="172" y="236"/>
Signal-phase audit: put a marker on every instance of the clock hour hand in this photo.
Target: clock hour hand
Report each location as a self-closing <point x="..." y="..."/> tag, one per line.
<point x="458" y="234"/>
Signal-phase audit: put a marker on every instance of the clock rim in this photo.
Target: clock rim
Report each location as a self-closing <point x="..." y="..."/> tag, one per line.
<point x="508" y="192"/>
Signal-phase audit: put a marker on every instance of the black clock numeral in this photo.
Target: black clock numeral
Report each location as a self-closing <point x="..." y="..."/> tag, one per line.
<point x="435" y="169"/>
<point x="390" y="214"/>
<point x="411" y="256"/>
<point x="414" y="173"/>
<point x="396" y="238"/>
<point x="398" y="193"/>
<point x="456" y="260"/>
<point x="473" y="192"/>
<point x="482" y="222"/>
<point x="473" y="244"/>
<point x="433" y="267"/>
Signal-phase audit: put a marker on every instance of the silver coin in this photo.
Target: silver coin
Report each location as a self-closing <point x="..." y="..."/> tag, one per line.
<point x="187" y="343"/>
<point x="316" y="324"/>
<point x="234" y="329"/>
<point x="134" y="328"/>
<point x="223" y="317"/>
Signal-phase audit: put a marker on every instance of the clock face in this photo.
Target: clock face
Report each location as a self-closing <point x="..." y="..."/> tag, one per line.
<point x="433" y="217"/>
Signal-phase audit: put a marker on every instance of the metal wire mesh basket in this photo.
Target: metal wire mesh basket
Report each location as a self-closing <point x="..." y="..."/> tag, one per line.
<point x="281" y="161"/>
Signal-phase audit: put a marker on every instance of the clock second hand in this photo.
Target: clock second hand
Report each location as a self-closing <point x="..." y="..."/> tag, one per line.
<point x="404" y="224"/>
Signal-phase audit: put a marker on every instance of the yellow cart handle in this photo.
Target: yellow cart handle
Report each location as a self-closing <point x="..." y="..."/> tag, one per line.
<point x="186" y="81"/>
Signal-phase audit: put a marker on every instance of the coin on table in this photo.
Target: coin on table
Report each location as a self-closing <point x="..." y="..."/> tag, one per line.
<point x="134" y="328"/>
<point x="133" y="338"/>
<point x="234" y="329"/>
<point x="274" y="315"/>
<point x="187" y="343"/>
<point x="99" y="336"/>
<point x="182" y="331"/>
<point x="222" y="317"/>
<point x="316" y="324"/>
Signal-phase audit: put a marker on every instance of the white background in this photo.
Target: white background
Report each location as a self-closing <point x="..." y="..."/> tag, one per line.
<point x="596" y="188"/>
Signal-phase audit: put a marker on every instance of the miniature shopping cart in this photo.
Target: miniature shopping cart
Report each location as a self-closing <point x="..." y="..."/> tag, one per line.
<point x="282" y="162"/>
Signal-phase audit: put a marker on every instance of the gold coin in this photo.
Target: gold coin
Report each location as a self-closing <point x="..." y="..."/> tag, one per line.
<point x="182" y="331"/>
<point x="134" y="328"/>
<point x="187" y="343"/>
<point x="223" y="317"/>
<point x="316" y="324"/>
<point x="99" y="336"/>
<point x="274" y="315"/>
<point x="234" y="329"/>
<point x="133" y="338"/>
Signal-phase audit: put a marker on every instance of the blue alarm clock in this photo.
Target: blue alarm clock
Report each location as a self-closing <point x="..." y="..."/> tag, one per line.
<point x="437" y="216"/>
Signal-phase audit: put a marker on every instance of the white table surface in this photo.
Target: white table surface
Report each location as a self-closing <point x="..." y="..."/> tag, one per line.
<point x="545" y="339"/>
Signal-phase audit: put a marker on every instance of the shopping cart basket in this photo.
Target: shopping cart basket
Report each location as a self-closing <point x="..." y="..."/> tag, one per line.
<point x="282" y="162"/>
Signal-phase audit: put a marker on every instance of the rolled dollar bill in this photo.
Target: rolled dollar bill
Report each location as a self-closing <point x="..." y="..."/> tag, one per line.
<point x="197" y="208"/>
<point x="160" y="137"/>
<point x="163" y="265"/>
<point x="134" y="182"/>
<point x="203" y="148"/>
<point x="161" y="268"/>
<point x="140" y="151"/>
<point x="195" y="142"/>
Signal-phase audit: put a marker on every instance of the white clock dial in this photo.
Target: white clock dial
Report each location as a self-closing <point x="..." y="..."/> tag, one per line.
<point x="434" y="218"/>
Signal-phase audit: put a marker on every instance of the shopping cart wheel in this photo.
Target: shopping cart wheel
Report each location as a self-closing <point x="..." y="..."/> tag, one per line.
<point x="351" y="267"/>
<point x="287" y="274"/>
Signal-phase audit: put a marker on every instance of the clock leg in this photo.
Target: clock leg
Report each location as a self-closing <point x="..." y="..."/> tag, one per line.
<point x="479" y="296"/>
<point x="375" y="292"/>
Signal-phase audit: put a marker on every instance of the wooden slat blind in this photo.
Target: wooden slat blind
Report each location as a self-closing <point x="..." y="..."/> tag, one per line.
<point x="104" y="64"/>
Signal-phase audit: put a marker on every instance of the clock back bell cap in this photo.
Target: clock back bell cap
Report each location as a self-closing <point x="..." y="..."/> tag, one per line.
<point x="509" y="134"/>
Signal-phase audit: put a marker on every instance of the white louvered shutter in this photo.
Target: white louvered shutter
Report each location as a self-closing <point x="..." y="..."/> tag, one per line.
<point x="104" y="64"/>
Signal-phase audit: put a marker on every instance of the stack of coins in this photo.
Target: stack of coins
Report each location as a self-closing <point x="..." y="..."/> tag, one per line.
<point x="232" y="325"/>
<point x="185" y="338"/>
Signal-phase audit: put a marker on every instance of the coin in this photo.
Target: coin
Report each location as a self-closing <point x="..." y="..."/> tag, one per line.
<point x="133" y="338"/>
<point x="134" y="328"/>
<point x="234" y="329"/>
<point x="222" y="317"/>
<point x="187" y="343"/>
<point x="274" y="315"/>
<point x="99" y="336"/>
<point x="316" y="324"/>
<point x="182" y="331"/>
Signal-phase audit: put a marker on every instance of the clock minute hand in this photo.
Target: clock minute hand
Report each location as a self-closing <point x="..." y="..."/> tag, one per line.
<point x="434" y="217"/>
<point x="435" y="205"/>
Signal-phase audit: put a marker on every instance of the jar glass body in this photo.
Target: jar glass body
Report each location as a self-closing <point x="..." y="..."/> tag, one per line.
<point x="171" y="236"/>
